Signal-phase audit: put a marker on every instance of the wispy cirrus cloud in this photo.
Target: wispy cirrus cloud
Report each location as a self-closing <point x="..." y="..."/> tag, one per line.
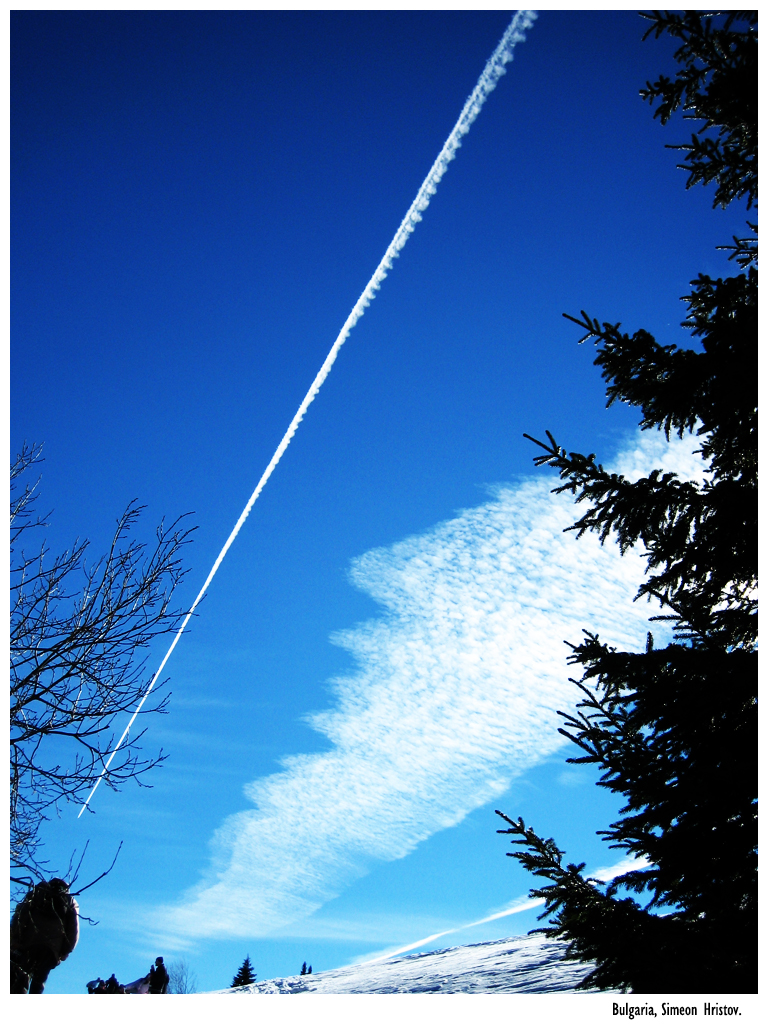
<point x="456" y="694"/>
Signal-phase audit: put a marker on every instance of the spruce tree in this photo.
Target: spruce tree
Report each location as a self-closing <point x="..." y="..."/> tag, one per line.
<point x="674" y="730"/>
<point x="245" y="976"/>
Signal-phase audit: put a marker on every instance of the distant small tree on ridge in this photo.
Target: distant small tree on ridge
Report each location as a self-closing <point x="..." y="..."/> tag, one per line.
<point x="245" y="976"/>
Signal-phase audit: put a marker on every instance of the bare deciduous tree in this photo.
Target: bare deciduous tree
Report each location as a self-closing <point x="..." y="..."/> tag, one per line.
<point x="183" y="980"/>
<point x="78" y="631"/>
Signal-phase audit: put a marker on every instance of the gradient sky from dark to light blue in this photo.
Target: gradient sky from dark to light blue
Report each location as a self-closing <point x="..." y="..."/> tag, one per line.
<point x="198" y="200"/>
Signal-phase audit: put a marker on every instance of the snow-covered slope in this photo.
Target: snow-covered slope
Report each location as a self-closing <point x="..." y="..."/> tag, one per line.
<point x="520" y="964"/>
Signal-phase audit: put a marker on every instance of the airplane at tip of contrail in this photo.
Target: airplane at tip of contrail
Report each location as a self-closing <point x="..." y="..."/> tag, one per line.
<point x="494" y="69"/>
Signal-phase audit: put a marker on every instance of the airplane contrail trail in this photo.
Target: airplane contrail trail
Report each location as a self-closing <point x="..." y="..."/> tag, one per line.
<point x="494" y="69"/>
<point x="517" y="906"/>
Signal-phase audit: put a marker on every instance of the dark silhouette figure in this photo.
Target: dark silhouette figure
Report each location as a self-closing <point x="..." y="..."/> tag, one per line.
<point x="158" y="978"/>
<point x="44" y="931"/>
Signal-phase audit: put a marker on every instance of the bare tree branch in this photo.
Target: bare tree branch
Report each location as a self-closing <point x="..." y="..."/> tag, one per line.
<point x="182" y="979"/>
<point x="79" y="637"/>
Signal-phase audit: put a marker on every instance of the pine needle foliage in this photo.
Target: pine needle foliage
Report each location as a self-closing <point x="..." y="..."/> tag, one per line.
<point x="717" y="85"/>
<point x="674" y="731"/>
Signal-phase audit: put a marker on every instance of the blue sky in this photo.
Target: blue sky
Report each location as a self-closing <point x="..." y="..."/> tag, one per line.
<point x="198" y="200"/>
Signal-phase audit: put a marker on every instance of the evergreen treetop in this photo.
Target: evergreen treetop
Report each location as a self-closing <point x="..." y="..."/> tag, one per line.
<point x="717" y="85"/>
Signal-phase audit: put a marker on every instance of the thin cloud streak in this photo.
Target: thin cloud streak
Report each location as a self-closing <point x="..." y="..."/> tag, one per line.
<point x="456" y="694"/>
<point x="518" y="906"/>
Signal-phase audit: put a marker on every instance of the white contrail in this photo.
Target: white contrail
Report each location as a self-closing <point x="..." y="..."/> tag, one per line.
<point x="520" y="905"/>
<point x="494" y="69"/>
<point x="517" y="907"/>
